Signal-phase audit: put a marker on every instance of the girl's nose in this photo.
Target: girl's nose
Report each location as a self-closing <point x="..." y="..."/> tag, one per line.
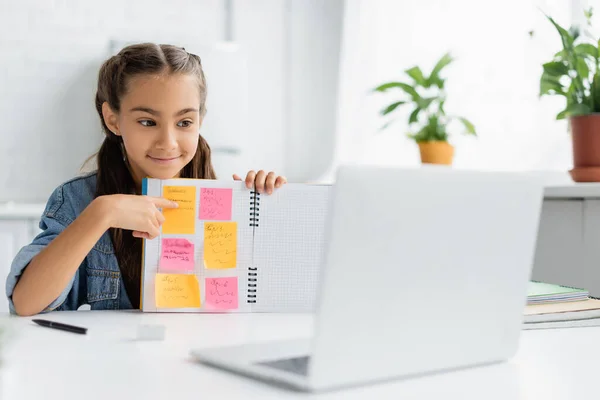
<point x="167" y="140"/>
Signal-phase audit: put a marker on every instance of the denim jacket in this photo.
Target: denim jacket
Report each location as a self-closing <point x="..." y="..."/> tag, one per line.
<point x="97" y="281"/>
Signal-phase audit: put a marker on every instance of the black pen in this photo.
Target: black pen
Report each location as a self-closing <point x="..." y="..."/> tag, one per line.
<point x="62" y="327"/>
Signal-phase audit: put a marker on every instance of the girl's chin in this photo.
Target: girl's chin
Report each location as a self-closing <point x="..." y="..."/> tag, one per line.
<point x="166" y="173"/>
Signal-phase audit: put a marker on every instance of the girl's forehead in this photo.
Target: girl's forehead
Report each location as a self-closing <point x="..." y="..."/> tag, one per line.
<point x="169" y="91"/>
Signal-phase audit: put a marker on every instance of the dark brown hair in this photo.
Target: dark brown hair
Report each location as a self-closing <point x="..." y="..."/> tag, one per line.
<point x="114" y="176"/>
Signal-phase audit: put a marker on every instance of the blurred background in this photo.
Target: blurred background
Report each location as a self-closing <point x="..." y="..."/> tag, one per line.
<point x="290" y="84"/>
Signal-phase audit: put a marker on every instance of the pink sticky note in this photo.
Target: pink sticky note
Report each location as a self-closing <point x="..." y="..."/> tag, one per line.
<point x="177" y="255"/>
<point x="221" y="293"/>
<point x="215" y="204"/>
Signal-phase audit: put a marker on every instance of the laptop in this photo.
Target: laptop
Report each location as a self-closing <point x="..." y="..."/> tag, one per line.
<point x="425" y="270"/>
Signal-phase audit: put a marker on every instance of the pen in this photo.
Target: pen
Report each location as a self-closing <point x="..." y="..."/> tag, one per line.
<point x="58" y="325"/>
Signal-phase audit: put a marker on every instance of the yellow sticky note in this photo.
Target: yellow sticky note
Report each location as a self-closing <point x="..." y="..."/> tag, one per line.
<point x="177" y="291"/>
<point x="220" y="245"/>
<point x="180" y="220"/>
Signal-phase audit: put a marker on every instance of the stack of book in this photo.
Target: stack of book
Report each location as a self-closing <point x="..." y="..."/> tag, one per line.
<point x="552" y="303"/>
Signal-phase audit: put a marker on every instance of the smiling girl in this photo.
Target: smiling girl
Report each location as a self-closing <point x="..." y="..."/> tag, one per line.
<point x="151" y="100"/>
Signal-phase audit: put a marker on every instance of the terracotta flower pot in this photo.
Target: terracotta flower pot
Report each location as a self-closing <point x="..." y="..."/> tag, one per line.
<point x="436" y="152"/>
<point x="585" y="136"/>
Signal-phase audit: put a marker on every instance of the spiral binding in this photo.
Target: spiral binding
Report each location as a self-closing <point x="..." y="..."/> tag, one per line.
<point x="254" y="208"/>
<point x="252" y="271"/>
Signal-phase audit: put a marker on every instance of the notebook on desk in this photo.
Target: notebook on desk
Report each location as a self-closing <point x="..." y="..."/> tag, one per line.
<point x="227" y="248"/>
<point x="543" y="293"/>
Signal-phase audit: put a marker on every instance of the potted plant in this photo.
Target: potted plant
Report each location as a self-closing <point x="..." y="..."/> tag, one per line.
<point x="574" y="73"/>
<point x="427" y="96"/>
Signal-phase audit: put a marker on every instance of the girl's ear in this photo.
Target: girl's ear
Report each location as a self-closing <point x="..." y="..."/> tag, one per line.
<point x="110" y="119"/>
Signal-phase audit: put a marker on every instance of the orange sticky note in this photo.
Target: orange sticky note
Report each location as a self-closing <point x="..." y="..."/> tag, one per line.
<point x="177" y="291"/>
<point x="220" y="245"/>
<point x="180" y="220"/>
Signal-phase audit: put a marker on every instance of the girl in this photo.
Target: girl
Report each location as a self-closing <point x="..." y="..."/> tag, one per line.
<point x="151" y="102"/>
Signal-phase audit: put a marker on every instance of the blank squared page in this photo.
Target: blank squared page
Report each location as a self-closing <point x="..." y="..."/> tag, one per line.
<point x="288" y="246"/>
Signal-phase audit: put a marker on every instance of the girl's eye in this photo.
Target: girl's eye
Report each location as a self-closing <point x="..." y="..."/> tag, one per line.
<point x="147" y="122"/>
<point x="185" y="124"/>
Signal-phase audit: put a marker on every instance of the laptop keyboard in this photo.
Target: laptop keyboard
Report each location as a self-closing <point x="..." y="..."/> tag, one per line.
<point x="296" y="365"/>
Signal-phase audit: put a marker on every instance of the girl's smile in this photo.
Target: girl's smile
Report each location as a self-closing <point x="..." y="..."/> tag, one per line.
<point x="163" y="160"/>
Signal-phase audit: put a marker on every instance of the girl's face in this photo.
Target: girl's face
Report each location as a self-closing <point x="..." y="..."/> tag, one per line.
<point x="159" y="122"/>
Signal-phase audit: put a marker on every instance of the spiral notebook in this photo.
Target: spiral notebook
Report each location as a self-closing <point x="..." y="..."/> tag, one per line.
<point x="227" y="248"/>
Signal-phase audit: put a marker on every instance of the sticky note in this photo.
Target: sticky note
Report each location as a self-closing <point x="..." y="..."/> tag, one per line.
<point x="183" y="218"/>
<point x="220" y="245"/>
<point x="221" y="293"/>
<point x="215" y="204"/>
<point x="177" y="255"/>
<point x="177" y="291"/>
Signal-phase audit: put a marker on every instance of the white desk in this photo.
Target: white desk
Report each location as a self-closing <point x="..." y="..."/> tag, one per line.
<point x="42" y="363"/>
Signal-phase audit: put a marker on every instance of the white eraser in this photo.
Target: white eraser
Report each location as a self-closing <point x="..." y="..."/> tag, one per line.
<point x="151" y="332"/>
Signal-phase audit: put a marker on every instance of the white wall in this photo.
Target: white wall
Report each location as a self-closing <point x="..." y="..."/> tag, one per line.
<point x="50" y="52"/>
<point x="260" y="27"/>
<point x="313" y="63"/>
<point x="494" y="80"/>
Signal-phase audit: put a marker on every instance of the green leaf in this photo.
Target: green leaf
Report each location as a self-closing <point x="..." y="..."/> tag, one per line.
<point x="577" y="109"/>
<point x="442" y="111"/>
<point x="417" y="75"/>
<point x="572" y="93"/>
<point x="391" y="107"/>
<point x="582" y="68"/>
<point x="386" y="86"/>
<point x="588" y="15"/>
<point x="595" y="92"/>
<point x="562" y="115"/>
<point x="400" y="85"/>
<point x="414" y="116"/>
<point x="433" y="123"/>
<point x="565" y="37"/>
<point x="468" y="126"/>
<point x="560" y="55"/>
<point x="434" y="78"/>
<point x="556" y="68"/>
<point x="426" y="102"/>
<point x="574" y="32"/>
<point x="411" y="91"/>
<point x="550" y="85"/>
<point x="586" y="49"/>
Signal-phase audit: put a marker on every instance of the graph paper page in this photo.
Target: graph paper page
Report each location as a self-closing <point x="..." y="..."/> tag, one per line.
<point x="288" y="246"/>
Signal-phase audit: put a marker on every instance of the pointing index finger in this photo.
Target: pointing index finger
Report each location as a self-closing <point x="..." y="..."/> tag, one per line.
<point x="164" y="203"/>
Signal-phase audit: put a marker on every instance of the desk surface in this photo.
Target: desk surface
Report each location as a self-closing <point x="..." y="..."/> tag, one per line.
<point x="573" y="191"/>
<point x="41" y="363"/>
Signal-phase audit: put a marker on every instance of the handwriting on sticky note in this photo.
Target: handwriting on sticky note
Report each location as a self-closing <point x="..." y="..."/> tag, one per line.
<point x="177" y="255"/>
<point x="220" y="245"/>
<point x="177" y="291"/>
<point x="221" y="293"/>
<point x="180" y="220"/>
<point x="215" y="204"/>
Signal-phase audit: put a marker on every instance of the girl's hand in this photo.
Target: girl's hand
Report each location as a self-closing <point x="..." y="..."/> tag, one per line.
<point x="263" y="181"/>
<point x="139" y="214"/>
